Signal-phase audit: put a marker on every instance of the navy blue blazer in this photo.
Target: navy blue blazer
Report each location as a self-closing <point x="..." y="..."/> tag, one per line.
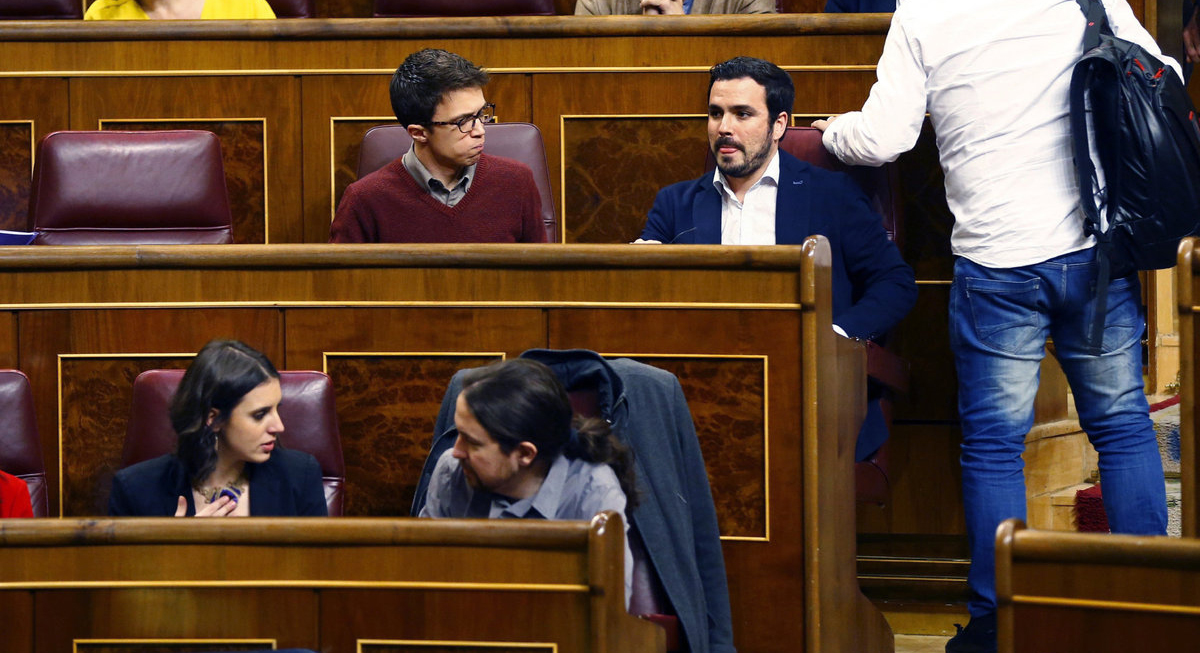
<point x="860" y="6"/>
<point x="873" y="288"/>
<point x="287" y="485"/>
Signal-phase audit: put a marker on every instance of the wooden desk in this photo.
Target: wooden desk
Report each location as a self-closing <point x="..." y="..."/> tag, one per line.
<point x="1097" y="593"/>
<point x="334" y="585"/>
<point x="620" y="100"/>
<point x="777" y="397"/>
<point x="1187" y="292"/>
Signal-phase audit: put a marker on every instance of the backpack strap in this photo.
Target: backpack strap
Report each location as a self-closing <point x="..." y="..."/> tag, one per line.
<point x="1097" y="22"/>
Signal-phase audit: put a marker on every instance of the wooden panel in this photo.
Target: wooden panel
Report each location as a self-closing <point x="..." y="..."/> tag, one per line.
<point x="728" y="401"/>
<point x="47" y="335"/>
<point x="96" y="394"/>
<point x="127" y="618"/>
<point x="243" y="154"/>
<point x="454" y="622"/>
<point x="605" y="198"/>
<point x="322" y="584"/>
<point x="387" y="406"/>
<point x="339" y="110"/>
<point x="16" y="167"/>
<point x="32" y="108"/>
<point x="390" y="369"/>
<point x="17" y="608"/>
<point x="9" y="357"/>
<point x="207" y="100"/>
<point x="1090" y="592"/>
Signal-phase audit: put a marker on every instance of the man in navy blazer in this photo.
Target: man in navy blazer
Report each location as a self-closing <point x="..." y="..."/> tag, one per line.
<point x="760" y="195"/>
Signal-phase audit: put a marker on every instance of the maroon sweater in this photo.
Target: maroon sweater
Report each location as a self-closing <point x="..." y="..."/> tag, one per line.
<point x="388" y="206"/>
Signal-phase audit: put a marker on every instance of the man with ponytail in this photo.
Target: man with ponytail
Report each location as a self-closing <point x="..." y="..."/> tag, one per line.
<point x="520" y="453"/>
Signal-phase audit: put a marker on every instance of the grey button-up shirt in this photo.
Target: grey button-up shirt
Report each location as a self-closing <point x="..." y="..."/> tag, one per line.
<point x="573" y="489"/>
<point x="447" y="196"/>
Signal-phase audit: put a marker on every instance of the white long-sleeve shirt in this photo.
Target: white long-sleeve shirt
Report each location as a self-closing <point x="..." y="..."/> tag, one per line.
<point x="994" y="77"/>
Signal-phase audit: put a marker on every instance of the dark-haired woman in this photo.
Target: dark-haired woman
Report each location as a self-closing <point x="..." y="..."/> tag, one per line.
<point x="228" y="461"/>
<point x="518" y="454"/>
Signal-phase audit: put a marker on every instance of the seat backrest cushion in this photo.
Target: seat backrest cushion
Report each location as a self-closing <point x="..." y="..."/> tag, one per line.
<point x="40" y="10"/>
<point x="20" y="447"/>
<point x="307" y="410"/>
<point x="514" y="140"/>
<point x="292" y="8"/>
<point x="459" y="8"/>
<point x="112" y="187"/>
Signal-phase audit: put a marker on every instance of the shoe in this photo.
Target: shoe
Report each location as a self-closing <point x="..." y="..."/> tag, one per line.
<point x="978" y="637"/>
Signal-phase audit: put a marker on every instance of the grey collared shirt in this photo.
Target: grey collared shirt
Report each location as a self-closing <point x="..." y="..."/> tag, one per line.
<point x="572" y="489"/>
<point x="447" y="196"/>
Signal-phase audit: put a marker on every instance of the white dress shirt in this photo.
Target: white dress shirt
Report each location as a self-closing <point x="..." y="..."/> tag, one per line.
<point x="994" y="77"/>
<point x="752" y="220"/>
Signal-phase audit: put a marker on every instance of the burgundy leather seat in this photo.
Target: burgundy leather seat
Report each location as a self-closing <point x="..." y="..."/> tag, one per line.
<point x="292" y="8"/>
<point x="459" y="8"/>
<point x="129" y="188"/>
<point x="307" y="410"/>
<point x="20" y="447"/>
<point x="871" y="478"/>
<point x="515" y="140"/>
<point x="40" y="10"/>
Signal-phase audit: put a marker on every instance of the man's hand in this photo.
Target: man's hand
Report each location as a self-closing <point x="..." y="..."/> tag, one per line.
<point x="823" y="124"/>
<point x="639" y="241"/>
<point x="650" y="7"/>
<point x="1191" y="37"/>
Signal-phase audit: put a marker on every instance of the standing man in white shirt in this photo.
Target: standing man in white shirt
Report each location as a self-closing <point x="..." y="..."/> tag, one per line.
<point x="993" y="76"/>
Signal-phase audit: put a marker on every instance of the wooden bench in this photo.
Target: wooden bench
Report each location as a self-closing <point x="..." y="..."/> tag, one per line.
<point x="776" y="396"/>
<point x="1062" y="591"/>
<point x="334" y="585"/>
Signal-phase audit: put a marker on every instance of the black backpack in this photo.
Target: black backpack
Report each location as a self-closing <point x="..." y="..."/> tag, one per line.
<point x="1148" y="145"/>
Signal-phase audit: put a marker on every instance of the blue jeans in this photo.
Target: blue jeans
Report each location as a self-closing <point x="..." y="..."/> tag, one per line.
<point x="999" y="321"/>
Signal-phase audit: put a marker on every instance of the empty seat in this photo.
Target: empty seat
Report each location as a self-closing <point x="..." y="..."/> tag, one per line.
<point x="307" y="410"/>
<point x="396" y="8"/>
<point x="129" y="188"/>
<point x="20" y="447"/>
<point x="514" y="140"/>
<point x="40" y="10"/>
<point x="292" y="8"/>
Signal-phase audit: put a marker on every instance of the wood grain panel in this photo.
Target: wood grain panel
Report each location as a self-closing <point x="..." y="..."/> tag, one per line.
<point x="207" y="100"/>
<point x="728" y="400"/>
<point x="45" y="335"/>
<point x="762" y="575"/>
<point x="460" y="617"/>
<point x="243" y="154"/>
<point x="32" y="108"/>
<point x="454" y="647"/>
<point x="199" y="646"/>
<point x="605" y="198"/>
<point x="390" y="369"/>
<point x="287" y="616"/>
<point x="17" y="608"/>
<point x="9" y="356"/>
<point x="339" y="110"/>
<point x="16" y="167"/>
<point x="96" y="398"/>
<point x="387" y="406"/>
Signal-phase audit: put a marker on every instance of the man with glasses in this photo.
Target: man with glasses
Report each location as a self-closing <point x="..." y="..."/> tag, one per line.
<point x="444" y="189"/>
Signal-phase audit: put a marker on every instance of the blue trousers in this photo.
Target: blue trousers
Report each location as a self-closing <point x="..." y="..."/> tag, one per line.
<point x="999" y="322"/>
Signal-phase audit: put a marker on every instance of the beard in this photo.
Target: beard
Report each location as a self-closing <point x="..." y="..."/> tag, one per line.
<point x="751" y="162"/>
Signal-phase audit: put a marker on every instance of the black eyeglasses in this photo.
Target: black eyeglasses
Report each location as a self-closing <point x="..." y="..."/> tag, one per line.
<point x="486" y="115"/>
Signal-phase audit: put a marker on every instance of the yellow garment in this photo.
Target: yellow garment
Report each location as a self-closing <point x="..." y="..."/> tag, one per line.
<point x="213" y="9"/>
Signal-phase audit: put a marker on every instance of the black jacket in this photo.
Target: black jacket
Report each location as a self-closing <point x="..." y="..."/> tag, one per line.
<point x="287" y="485"/>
